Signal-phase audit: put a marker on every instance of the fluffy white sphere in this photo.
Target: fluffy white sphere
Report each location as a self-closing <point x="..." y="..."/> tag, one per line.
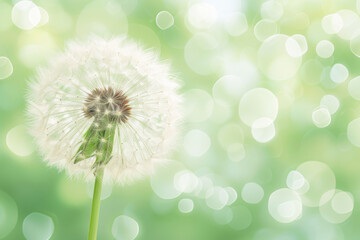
<point x="60" y="116"/>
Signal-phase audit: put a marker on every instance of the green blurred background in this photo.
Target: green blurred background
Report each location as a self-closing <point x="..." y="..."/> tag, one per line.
<point x="271" y="136"/>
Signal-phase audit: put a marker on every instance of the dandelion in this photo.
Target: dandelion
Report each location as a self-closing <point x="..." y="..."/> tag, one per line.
<point x="104" y="109"/>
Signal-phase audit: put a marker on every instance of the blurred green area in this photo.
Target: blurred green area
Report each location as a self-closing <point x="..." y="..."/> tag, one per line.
<point x="254" y="75"/>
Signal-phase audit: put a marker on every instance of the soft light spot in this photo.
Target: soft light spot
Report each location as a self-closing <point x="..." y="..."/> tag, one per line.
<point x="252" y="193"/>
<point x="38" y="226"/>
<point x="285" y="205"/>
<point x="336" y="206"/>
<point x="263" y="130"/>
<point x="236" y="24"/>
<point x="339" y="73"/>
<point x="324" y="49"/>
<point x="353" y="132"/>
<point x="331" y="102"/>
<point x="186" y="205"/>
<point x="185" y="181"/>
<point x="321" y="117"/>
<point x="242" y="70"/>
<point x="229" y="89"/>
<point x="287" y="209"/>
<point x="320" y="179"/>
<point x="202" y="15"/>
<point x="216" y="198"/>
<point x="265" y="28"/>
<point x="196" y="143"/>
<point x="125" y="228"/>
<point x="258" y="103"/>
<point x="293" y="47"/>
<point x="355" y="45"/>
<point x="351" y="23"/>
<point x="164" y="20"/>
<point x="275" y="60"/>
<point x="162" y="181"/>
<point x="332" y="23"/>
<point x="44" y="19"/>
<point x="204" y="185"/>
<point x="198" y="105"/>
<point x="299" y="49"/>
<point x="19" y="142"/>
<point x="354" y="88"/>
<point x="232" y="195"/>
<point x="295" y="180"/>
<point x="342" y="202"/>
<point x="6" y="67"/>
<point x="272" y="10"/>
<point x="8" y="214"/>
<point x="25" y="15"/>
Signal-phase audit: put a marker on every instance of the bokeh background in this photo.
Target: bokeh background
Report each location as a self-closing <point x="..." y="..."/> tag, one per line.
<point x="271" y="135"/>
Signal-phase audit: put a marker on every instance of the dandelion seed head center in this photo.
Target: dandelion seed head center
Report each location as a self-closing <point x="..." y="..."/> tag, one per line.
<point x="107" y="103"/>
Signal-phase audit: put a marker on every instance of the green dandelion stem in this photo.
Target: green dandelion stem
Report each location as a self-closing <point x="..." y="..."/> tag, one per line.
<point x="95" y="209"/>
<point x="98" y="142"/>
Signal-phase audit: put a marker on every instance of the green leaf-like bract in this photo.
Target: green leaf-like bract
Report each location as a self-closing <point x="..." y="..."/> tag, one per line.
<point x="99" y="141"/>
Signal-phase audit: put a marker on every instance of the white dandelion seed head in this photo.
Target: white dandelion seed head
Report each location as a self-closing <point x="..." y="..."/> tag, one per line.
<point x="99" y="78"/>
